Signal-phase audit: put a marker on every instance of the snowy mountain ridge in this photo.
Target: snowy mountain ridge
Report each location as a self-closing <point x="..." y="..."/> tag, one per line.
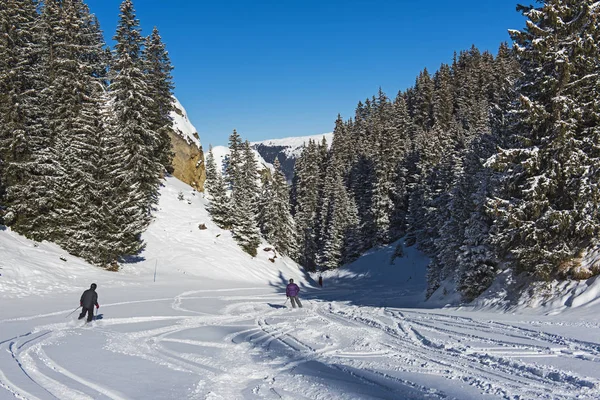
<point x="293" y="145"/>
<point x="287" y="150"/>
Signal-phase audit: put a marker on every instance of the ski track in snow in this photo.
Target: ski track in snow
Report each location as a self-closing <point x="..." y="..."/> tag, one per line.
<point x="327" y="350"/>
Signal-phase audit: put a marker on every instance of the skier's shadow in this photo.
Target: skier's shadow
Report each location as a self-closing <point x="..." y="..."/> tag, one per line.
<point x="276" y="305"/>
<point x="99" y="316"/>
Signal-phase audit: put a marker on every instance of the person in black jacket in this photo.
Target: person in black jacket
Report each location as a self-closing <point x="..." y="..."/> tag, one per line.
<point x="88" y="300"/>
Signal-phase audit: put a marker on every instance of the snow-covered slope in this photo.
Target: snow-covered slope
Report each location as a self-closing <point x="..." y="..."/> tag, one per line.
<point x="183" y="126"/>
<point x="175" y="246"/>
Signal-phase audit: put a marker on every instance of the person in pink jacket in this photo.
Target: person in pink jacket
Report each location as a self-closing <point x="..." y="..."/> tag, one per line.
<point x="291" y="291"/>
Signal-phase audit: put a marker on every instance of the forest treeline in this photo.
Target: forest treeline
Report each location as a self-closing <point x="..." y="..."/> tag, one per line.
<point x="83" y="128"/>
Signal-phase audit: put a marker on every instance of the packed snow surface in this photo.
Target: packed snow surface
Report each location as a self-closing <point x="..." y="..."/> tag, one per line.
<point x="196" y="318"/>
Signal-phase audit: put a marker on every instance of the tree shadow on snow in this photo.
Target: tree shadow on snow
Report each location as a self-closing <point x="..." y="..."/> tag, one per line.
<point x="283" y="281"/>
<point x="398" y="283"/>
<point x="277" y="306"/>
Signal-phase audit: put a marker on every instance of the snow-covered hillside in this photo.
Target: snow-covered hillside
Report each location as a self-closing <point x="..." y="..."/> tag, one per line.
<point x="197" y="318"/>
<point x="183" y="126"/>
<point x="175" y="247"/>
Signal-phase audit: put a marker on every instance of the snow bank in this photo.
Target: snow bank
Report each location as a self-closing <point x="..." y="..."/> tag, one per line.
<point x="510" y="293"/>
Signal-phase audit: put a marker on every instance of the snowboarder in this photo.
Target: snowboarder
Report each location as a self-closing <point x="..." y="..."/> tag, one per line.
<point x="88" y="300"/>
<point x="320" y="281"/>
<point x="291" y="291"/>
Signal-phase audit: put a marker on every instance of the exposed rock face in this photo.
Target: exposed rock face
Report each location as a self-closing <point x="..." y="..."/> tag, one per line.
<point x="188" y="160"/>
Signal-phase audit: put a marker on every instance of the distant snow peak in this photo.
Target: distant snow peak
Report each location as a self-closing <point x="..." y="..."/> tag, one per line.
<point x="294" y="145"/>
<point x="182" y="124"/>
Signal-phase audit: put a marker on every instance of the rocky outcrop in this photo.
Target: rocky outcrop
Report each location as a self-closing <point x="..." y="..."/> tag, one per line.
<point x="188" y="160"/>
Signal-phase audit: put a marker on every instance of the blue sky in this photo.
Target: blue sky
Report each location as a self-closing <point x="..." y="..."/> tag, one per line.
<point x="277" y="68"/>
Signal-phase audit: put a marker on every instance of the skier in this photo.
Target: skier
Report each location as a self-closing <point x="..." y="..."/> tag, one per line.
<point x="320" y="281"/>
<point x="89" y="298"/>
<point x="291" y="291"/>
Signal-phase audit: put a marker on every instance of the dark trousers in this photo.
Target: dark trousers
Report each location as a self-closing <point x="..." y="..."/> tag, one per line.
<point x="294" y="300"/>
<point x="89" y="311"/>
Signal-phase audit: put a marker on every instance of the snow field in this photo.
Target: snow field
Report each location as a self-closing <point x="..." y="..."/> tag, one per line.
<point x="242" y="343"/>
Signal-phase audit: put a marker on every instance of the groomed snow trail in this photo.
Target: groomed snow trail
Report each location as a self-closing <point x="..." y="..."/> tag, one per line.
<point x="241" y="343"/>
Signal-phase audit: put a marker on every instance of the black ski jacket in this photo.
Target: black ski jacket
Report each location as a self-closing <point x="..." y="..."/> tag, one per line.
<point x="89" y="298"/>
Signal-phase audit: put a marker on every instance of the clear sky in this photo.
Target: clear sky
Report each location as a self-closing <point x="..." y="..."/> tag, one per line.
<point x="277" y="68"/>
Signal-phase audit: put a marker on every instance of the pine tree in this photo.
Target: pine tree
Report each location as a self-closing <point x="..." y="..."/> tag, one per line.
<point x="307" y="175"/>
<point x="401" y="146"/>
<point x="385" y="164"/>
<point x="234" y="160"/>
<point x="160" y="86"/>
<point x="29" y="163"/>
<point x="215" y="187"/>
<point x="547" y="212"/>
<point x="245" y="201"/>
<point x="340" y="220"/>
<point x="135" y="170"/>
<point x="133" y="105"/>
<point x="77" y="128"/>
<point x="265" y="211"/>
<point x="279" y="225"/>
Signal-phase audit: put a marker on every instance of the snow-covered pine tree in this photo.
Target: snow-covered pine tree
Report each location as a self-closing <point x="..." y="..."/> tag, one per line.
<point x="29" y="162"/>
<point x="279" y="228"/>
<point x="76" y="125"/>
<point x="339" y="219"/>
<point x="133" y="104"/>
<point x="401" y="144"/>
<point x="235" y="159"/>
<point x="477" y="258"/>
<point x="136" y="172"/>
<point x="307" y="179"/>
<point x="265" y="217"/>
<point x="547" y="214"/>
<point x="216" y="188"/>
<point x="384" y="159"/>
<point x="245" y="202"/>
<point x="160" y="86"/>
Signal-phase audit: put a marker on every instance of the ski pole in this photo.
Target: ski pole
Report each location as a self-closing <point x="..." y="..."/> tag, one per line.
<point x="286" y="300"/>
<point x="73" y="312"/>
